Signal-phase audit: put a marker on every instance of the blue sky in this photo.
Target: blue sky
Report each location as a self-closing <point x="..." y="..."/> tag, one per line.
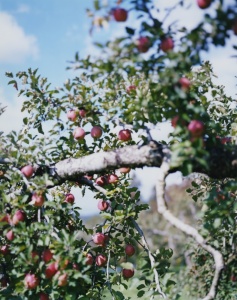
<point x="46" y="34"/>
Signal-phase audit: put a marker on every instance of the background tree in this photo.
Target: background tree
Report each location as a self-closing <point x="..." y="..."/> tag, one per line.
<point x="152" y="74"/>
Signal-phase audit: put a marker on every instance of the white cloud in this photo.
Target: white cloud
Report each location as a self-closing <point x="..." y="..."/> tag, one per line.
<point x="15" y="44"/>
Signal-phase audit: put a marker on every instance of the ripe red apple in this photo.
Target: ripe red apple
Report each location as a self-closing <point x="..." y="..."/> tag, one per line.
<point x="120" y="14"/>
<point x="69" y="198"/>
<point x="204" y="3"/>
<point x="124" y="135"/>
<point x="129" y="250"/>
<point x="62" y="279"/>
<point x="96" y="132"/>
<point x="79" y="133"/>
<point x="128" y="273"/>
<point x="167" y="44"/>
<point x="196" y="128"/>
<point x="10" y="235"/>
<point x="27" y="171"/>
<point x="89" y="259"/>
<point x="5" y="218"/>
<point x="124" y="170"/>
<point x="43" y="296"/>
<point x="37" y="200"/>
<point x="4" y="249"/>
<point x="103" y="205"/>
<point x="100" y="260"/>
<point x="102" y="180"/>
<point x="113" y="178"/>
<point x="99" y="238"/>
<point x="185" y="83"/>
<point x="174" y="121"/>
<point x="31" y="281"/>
<point x="72" y="115"/>
<point x="47" y="255"/>
<point x="19" y="216"/>
<point x="143" y="44"/>
<point x="82" y="112"/>
<point x="51" y="270"/>
<point x="131" y="88"/>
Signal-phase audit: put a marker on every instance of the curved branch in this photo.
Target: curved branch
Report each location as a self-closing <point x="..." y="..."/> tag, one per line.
<point x="189" y="230"/>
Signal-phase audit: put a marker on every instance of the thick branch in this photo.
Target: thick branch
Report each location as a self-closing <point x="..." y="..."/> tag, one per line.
<point x="189" y="230"/>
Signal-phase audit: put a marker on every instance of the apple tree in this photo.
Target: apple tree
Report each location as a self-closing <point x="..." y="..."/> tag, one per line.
<point x="89" y="134"/>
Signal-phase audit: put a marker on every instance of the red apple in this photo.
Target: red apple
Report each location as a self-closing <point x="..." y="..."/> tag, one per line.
<point x="10" y="235"/>
<point x="124" y="170"/>
<point x="185" y="83"/>
<point x="100" y="260"/>
<point x="124" y="135"/>
<point x="19" y="216"/>
<point x="128" y="273"/>
<point x="43" y="296"/>
<point x="96" y="132"/>
<point x="103" y="205"/>
<point x="234" y="26"/>
<point x="102" y="180"/>
<point x="196" y="128"/>
<point x="4" y="249"/>
<point x="120" y="14"/>
<point x="204" y="3"/>
<point x="129" y="250"/>
<point x="31" y="281"/>
<point x="69" y="198"/>
<point x="5" y="218"/>
<point x="51" y="270"/>
<point x="37" y="200"/>
<point x="99" y="238"/>
<point x="75" y="266"/>
<point x="4" y="281"/>
<point x="143" y="44"/>
<point x="47" y="255"/>
<point x="79" y="133"/>
<point x="131" y="88"/>
<point x="89" y="259"/>
<point x="62" y="279"/>
<point x="167" y="44"/>
<point x="27" y="171"/>
<point x="72" y="115"/>
<point x="82" y="112"/>
<point x="112" y="178"/>
<point x="174" y="121"/>
<point x="35" y="256"/>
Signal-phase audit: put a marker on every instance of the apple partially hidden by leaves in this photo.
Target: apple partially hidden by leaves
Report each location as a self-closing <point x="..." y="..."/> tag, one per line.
<point x="89" y="259"/>
<point x="128" y="273"/>
<point x="10" y="235"/>
<point x="62" y="279"/>
<point x="100" y="260"/>
<point x="43" y="296"/>
<point x="103" y="205"/>
<point x="99" y="238"/>
<point x="47" y="255"/>
<point x="102" y="180"/>
<point x="19" y="216"/>
<point x="28" y="171"/>
<point x="31" y="281"/>
<point x="196" y="128"/>
<point x="69" y="198"/>
<point x="37" y="199"/>
<point x="143" y="44"/>
<point x="72" y="115"/>
<point x="51" y="270"/>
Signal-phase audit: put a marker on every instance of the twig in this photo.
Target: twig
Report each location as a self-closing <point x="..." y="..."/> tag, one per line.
<point x="189" y="230"/>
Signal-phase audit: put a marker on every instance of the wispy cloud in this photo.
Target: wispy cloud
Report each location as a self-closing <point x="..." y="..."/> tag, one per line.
<point x="15" y="44"/>
<point x="23" y="8"/>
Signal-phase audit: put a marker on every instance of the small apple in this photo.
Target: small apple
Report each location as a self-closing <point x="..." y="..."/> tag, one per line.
<point x="102" y="180"/>
<point x="69" y="198"/>
<point x="100" y="260"/>
<point x="124" y="170"/>
<point x="19" y="216"/>
<point x="5" y="218"/>
<point x="79" y="133"/>
<point x="35" y="256"/>
<point x="43" y="296"/>
<point x="234" y="26"/>
<point x="62" y="279"/>
<point x="120" y="14"/>
<point x="99" y="238"/>
<point x="143" y="44"/>
<point x="96" y="132"/>
<point x="27" y="171"/>
<point x="82" y="112"/>
<point x="31" y="281"/>
<point x="174" y="121"/>
<point x="131" y="88"/>
<point x="113" y="178"/>
<point x="124" y="135"/>
<point x="47" y="255"/>
<point x="130" y="250"/>
<point x="204" y="3"/>
<point x="103" y="205"/>
<point x="4" y="281"/>
<point x="51" y="270"/>
<point x="185" y="83"/>
<point x="37" y="200"/>
<point x="75" y="266"/>
<point x="10" y="235"/>
<point x="128" y="273"/>
<point x="89" y="259"/>
<point x="4" y="249"/>
<point x="167" y="44"/>
<point x="233" y="278"/>
<point x="196" y="128"/>
<point x="72" y="115"/>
